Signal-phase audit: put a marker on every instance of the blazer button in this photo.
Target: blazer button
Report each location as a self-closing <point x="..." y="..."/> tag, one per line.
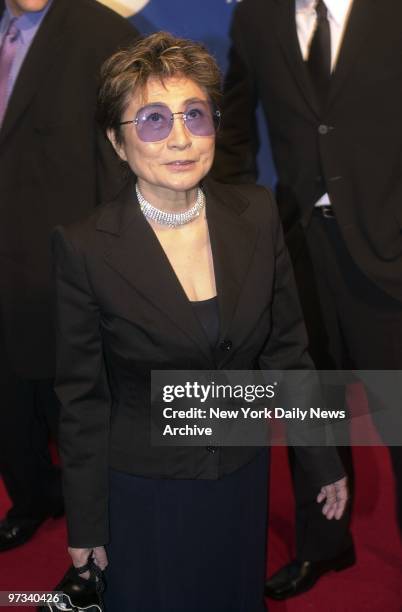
<point x="226" y="345"/>
<point x="324" y="129"/>
<point x="211" y="449"/>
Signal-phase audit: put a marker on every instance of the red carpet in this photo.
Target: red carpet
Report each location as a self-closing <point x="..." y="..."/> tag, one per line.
<point x="373" y="585"/>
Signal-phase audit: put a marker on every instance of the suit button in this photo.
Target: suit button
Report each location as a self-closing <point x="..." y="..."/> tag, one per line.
<point x="226" y="345"/>
<point x="211" y="449"/>
<point x="323" y="129"/>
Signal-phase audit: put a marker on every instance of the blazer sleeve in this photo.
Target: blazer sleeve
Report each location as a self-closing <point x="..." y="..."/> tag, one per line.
<point x="111" y="173"/>
<point x="237" y="141"/>
<point x="286" y="349"/>
<point x="82" y="388"/>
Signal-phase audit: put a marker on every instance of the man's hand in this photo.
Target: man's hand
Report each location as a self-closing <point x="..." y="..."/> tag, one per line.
<point x="335" y="496"/>
<point x="80" y="557"/>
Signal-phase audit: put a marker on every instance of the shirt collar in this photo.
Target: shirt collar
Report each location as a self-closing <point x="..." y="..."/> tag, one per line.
<point x="338" y="9"/>
<point x="27" y="23"/>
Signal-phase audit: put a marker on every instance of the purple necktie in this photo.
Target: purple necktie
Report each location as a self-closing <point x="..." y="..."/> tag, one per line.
<point x="7" y="54"/>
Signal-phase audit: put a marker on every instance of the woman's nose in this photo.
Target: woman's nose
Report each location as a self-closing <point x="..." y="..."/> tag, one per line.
<point x="179" y="136"/>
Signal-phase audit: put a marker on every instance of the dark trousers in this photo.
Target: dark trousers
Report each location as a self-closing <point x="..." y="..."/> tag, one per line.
<point x="188" y="545"/>
<point x="316" y="537"/>
<point x="29" y="414"/>
<point x="351" y="323"/>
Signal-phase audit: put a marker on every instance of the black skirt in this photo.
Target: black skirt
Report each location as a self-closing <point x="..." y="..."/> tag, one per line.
<point x="188" y="545"/>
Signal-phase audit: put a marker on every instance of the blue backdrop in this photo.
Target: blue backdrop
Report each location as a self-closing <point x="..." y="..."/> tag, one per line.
<point x="205" y="20"/>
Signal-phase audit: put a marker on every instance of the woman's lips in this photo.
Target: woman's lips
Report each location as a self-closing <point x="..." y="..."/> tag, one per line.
<point x="180" y="165"/>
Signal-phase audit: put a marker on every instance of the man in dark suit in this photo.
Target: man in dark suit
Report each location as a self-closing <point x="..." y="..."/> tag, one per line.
<point x="329" y="78"/>
<point x="55" y="166"/>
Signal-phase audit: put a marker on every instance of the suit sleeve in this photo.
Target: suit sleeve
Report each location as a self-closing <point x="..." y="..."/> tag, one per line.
<point x="237" y="140"/>
<point x="111" y="172"/>
<point x="83" y="391"/>
<point x="286" y="349"/>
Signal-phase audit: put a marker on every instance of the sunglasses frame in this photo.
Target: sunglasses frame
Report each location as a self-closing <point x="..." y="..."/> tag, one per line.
<point x="216" y="117"/>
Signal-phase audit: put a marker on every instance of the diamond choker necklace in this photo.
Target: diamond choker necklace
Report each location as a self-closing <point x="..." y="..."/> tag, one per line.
<point x="171" y="219"/>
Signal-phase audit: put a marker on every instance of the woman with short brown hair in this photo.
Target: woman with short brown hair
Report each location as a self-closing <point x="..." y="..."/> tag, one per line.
<point x="177" y="273"/>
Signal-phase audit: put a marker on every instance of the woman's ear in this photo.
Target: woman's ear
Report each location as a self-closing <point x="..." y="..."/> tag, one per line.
<point x="118" y="146"/>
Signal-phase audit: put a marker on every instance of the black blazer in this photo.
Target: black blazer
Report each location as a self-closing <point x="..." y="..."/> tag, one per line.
<point x="55" y="165"/>
<point x="121" y="312"/>
<point x="352" y="148"/>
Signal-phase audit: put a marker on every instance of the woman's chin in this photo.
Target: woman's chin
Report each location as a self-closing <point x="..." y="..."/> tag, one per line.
<point x="175" y="182"/>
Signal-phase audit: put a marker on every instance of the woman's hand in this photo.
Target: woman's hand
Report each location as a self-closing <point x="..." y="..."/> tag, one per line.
<point x="80" y="557"/>
<point x="335" y="496"/>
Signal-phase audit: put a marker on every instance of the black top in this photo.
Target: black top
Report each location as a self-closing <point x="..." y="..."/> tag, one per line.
<point x="118" y="319"/>
<point x="207" y="313"/>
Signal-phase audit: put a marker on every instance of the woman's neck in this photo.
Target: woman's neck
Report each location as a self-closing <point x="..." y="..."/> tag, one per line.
<point x="167" y="199"/>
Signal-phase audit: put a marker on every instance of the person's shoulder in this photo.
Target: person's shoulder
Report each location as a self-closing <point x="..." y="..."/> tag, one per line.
<point x="252" y="9"/>
<point x="245" y="198"/>
<point x="98" y="20"/>
<point x="253" y="27"/>
<point x="84" y="233"/>
<point x="252" y="5"/>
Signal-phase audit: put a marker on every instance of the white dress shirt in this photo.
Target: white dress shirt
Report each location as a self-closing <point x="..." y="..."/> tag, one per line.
<point x="306" y="19"/>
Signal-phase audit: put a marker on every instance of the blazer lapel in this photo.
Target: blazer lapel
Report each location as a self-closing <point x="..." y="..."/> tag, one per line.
<point x="362" y="20"/>
<point x="233" y="241"/>
<point x="135" y="253"/>
<point x="42" y="53"/>
<point x="287" y="34"/>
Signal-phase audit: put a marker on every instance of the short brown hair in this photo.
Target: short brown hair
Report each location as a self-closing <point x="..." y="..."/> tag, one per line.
<point x="160" y="55"/>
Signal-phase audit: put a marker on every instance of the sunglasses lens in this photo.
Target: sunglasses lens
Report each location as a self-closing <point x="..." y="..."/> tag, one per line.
<point x="200" y="119"/>
<point x="154" y="122"/>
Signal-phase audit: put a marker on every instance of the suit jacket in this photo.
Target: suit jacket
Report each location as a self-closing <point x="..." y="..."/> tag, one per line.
<point x="352" y="148"/>
<point x="122" y="313"/>
<point x="55" y="165"/>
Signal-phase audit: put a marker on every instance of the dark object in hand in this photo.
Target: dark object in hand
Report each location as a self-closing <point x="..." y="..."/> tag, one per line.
<point x="79" y="593"/>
